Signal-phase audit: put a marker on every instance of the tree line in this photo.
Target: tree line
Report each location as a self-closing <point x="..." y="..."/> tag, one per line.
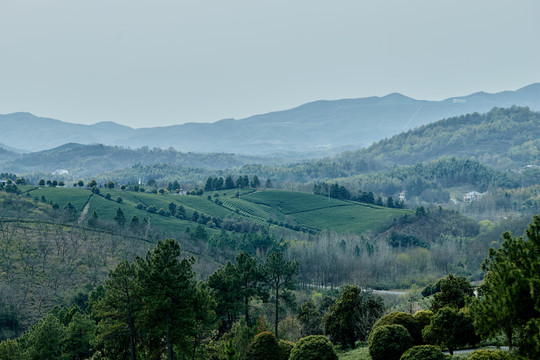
<point x="341" y="192"/>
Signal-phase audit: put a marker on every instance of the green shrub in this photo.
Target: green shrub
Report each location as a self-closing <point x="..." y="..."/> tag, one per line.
<point x="241" y="336"/>
<point x="313" y="347"/>
<point x="389" y="342"/>
<point x="451" y="329"/>
<point x="10" y="350"/>
<point x="423" y="352"/>
<point x="423" y="317"/>
<point x="408" y="321"/>
<point x="285" y="348"/>
<point x="264" y="346"/>
<point x="489" y="355"/>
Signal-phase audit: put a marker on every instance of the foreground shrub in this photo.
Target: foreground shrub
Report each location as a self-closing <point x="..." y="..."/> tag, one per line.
<point x="351" y="317"/>
<point x="451" y="329"/>
<point x="423" y="352"/>
<point x="423" y="317"/>
<point x="285" y="348"/>
<point x="389" y="342"/>
<point x="490" y="355"/>
<point x="313" y="347"/>
<point x="10" y="350"/>
<point x="263" y="347"/>
<point x="408" y="321"/>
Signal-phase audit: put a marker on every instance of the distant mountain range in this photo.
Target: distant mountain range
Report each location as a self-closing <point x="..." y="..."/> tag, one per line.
<point x="320" y="127"/>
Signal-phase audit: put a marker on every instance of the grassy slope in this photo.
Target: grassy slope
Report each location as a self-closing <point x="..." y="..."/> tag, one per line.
<point x="295" y="208"/>
<point x="319" y="212"/>
<point x="62" y="196"/>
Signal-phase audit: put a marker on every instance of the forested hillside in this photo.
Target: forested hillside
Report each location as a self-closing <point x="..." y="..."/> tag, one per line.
<point x="502" y="138"/>
<point x="87" y="160"/>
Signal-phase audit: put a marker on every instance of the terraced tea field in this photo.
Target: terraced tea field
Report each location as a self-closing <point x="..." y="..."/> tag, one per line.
<point x="284" y="208"/>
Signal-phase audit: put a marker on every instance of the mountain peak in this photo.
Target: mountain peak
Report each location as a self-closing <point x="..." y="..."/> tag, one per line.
<point x="396" y="98"/>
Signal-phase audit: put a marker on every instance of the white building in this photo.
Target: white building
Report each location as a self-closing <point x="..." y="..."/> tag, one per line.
<point x="472" y="196"/>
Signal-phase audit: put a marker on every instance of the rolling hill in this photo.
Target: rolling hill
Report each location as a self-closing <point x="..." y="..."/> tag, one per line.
<point x="501" y="138"/>
<point x="87" y="160"/>
<point x="315" y="128"/>
<point x="279" y="209"/>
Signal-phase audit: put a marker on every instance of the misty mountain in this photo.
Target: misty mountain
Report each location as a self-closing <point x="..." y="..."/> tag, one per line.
<point x="6" y="154"/>
<point x="318" y="127"/>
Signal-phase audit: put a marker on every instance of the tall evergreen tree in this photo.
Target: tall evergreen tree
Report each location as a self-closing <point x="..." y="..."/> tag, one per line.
<point x="120" y="218"/>
<point x="248" y="277"/>
<point x="352" y="315"/>
<point x="255" y="182"/>
<point x="167" y="290"/>
<point x="225" y="288"/>
<point x="279" y="275"/>
<point x="508" y="297"/>
<point x="205" y="316"/>
<point x="119" y="309"/>
<point x="79" y="338"/>
<point x="229" y="182"/>
<point x="44" y="340"/>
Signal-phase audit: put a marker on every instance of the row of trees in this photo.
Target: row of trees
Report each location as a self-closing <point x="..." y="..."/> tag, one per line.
<point x="340" y="192"/>
<point x="242" y="182"/>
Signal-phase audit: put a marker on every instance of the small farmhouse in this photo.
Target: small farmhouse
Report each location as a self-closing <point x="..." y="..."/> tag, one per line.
<point x="472" y="196"/>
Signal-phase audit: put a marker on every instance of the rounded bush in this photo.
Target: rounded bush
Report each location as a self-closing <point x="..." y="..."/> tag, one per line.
<point x="264" y="346"/>
<point x="423" y="317"/>
<point x="423" y="352"/>
<point x="285" y="348"/>
<point x="313" y="347"/>
<point x="408" y="321"/>
<point x="389" y="342"/>
<point x="489" y="355"/>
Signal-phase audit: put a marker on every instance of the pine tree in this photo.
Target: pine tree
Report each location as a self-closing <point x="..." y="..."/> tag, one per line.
<point x="248" y="277"/>
<point x="279" y="276"/>
<point x="120" y="218"/>
<point x="119" y="310"/>
<point x="167" y="290"/>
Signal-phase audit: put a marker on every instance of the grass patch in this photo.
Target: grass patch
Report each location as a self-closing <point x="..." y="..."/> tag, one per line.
<point x="62" y="196"/>
<point x="360" y="353"/>
<point x="290" y="202"/>
<point x="201" y="204"/>
<point x="353" y="218"/>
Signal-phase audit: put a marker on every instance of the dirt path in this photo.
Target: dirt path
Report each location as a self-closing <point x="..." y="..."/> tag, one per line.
<point x="85" y="211"/>
<point x="147" y="230"/>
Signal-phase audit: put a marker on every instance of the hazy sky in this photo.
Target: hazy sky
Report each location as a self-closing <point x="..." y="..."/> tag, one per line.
<point x="151" y="63"/>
